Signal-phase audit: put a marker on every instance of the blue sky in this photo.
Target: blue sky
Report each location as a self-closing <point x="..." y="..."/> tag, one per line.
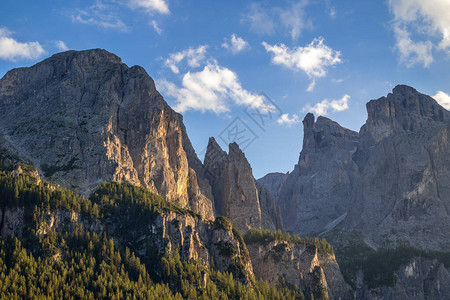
<point x="212" y="60"/>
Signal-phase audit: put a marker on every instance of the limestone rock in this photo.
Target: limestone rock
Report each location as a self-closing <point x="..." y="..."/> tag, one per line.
<point x="299" y="265"/>
<point x="235" y="191"/>
<point x="270" y="212"/>
<point x="388" y="183"/>
<point x="84" y="117"/>
<point x="273" y="183"/>
<point x="402" y="192"/>
<point x="421" y="278"/>
<point x="317" y="191"/>
<point x="403" y="110"/>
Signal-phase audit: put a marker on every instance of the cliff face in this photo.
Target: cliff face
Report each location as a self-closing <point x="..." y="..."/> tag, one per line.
<point x="387" y="185"/>
<point x="236" y="193"/>
<point x="402" y="193"/>
<point x="419" y="279"/>
<point x="317" y="191"/>
<point x="273" y="183"/>
<point x="85" y="117"/>
<point x="388" y="182"/>
<point x="300" y="265"/>
<point x="403" y="110"/>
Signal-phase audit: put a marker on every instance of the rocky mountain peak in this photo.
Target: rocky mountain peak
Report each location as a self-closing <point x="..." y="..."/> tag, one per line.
<point x="214" y="159"/>
<point x="325" y="134"/>
<point x="403" y="110"/>
<point x="235" y="154"/>
<point x="315" y="194"/>
<point x="83" y="117"/>
<point x="403" y="89"/>
<point x="234" y="148"/>
<point x="236" y="194"/>
<point x="93" y="56"/>
<point x="214" y="152"/>
<point x="308" y="121"/>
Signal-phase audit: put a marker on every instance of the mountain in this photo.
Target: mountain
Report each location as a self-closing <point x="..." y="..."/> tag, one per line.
<point x="85" y="117"/>
<point x="402" y="189"/>
<point x="237" y="194"/>
<point x="317" y="191"/>
<point x="390" y="179"/>
<point x="374" y="192"/>
<point x="102" y="192"/>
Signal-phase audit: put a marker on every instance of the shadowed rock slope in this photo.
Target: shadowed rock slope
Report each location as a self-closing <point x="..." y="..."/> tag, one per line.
<point x="373" y="192"/>
<point x="237" y="194"/>
<point x="389" y="182"/>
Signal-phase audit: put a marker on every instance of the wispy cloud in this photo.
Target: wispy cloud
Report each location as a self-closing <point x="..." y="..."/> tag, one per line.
<point x="259" y="19"/>
<point x="101" y="15"/>
<point x="61" y="46"/>
<point x="412" y="52"/>
<point x="313" y="59"/>
<point x="106" y="13"/>
<point x="268" y="20"/>
<point x="12" y="50"/>
<point x="156" y="27"/>
<point x="212" y="89"/>
<point x="443" y="99"/>
<point x="294" y="18"/>
<point x="429" y="18"/>
<point x="288" y="121"/>
<point x="236" y="44"/>
<point x="326" y="106"/>
<point x="194" y="57"/>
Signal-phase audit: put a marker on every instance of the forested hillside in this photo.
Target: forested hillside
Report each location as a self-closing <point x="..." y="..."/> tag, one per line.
<point x="79" y="260"/>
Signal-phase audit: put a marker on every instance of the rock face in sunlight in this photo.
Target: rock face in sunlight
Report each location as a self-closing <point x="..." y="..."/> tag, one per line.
<point x="300" y="265"/>
<point x="85" y="117"/>
<point x="237" y="194"/>
<point x="89" y="123"/>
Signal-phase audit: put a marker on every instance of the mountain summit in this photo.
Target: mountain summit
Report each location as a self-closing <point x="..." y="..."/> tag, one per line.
<point x="383" y="183"/>
<point x="83" y="117"/>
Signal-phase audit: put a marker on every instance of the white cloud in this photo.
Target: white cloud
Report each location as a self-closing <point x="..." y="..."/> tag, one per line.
<point x="288" y="121"/>
<point x="331" y="10"/>
<point x="12" y="50"/>
<point x="211" y="90"/>
<point x="259" y="19"/>
<point x="412" y="52"/>
<point x="337" y="80"/>
<point x="443" y="99"/>
<point x="236" y="44"/>
<point x="151" y="6"/>
<point x="155" y="26"/>
<point x="268" y="20"/>
<point x="61" y="46"/>
<point x="294" y="18"/>
<point x="430" y="18"/>
<point x="312" y="59"/>
<point x="100" y="15"/>
<point x="322" y="108"/>
<point x="194" y="57"/>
